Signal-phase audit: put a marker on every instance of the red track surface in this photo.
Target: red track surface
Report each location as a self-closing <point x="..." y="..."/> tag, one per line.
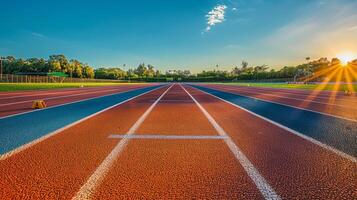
<point x="58" y="167"/>
<point x="176" y="168"/>
<point x="19" y="102"/>
<point x="334" y="103"/>
<point x="296" y="168"/>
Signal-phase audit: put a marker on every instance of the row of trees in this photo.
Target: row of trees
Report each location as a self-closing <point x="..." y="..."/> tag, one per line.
<point x="55" y="63"/>
<point x="74" y="68"/>
<point x="317" y="70"/>
<point x="142" y="72"/>
<point x="77" y="69"/>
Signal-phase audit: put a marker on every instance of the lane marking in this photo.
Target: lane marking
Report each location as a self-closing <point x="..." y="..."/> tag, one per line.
<point x="263" y="186"/>
<point x="244" y="88"/>
<point x="272" y="95"/>
<point x="293" y="91"/>
<point x="58" y="97"/>
<point x="39" y="93"/>
<point x="175" y="101"/>
<point x="310" y="139"/>
<point x="306" y="109"/>
<point x="40" y="139"/>
<point x="87" y="190"/>
<point x="25" y="93"/>
<point x="171" y="137"/>
<point x="87" y="99"/>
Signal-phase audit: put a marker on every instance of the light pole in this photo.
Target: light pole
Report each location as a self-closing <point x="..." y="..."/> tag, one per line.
<point x="0" y="68"/>
<point x="125" y="73"/>
<point x="1" y="59"/>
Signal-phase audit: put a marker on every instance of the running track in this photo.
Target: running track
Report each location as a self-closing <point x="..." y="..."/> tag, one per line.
<point x="179" y="141"/>
<point x="19" y="102"/>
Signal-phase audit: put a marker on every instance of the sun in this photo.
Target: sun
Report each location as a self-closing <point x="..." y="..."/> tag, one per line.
<point x="345" y="58"/>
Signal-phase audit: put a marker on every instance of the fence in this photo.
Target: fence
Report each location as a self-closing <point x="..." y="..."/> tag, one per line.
<point x="10" y="78"/>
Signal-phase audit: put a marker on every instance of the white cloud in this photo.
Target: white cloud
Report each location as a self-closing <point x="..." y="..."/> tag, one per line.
<point x="353" y="28"/>
<point x="39" y="35"/>
<point x="215" y="16"/>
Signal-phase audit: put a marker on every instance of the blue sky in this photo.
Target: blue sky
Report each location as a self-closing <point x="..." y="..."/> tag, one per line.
<point x="175" y="34"/>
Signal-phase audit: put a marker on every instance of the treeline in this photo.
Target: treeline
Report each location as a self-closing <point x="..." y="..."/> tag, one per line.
<point x="308" y="71"/>
<point x="316" y="70"/>
<point x="55" y="63"/>
<point x="142" y="72"/>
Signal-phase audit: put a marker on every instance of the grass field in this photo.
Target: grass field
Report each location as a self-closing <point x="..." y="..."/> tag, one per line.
<point x="9" y="87"/>
<point x="341" y="87"/>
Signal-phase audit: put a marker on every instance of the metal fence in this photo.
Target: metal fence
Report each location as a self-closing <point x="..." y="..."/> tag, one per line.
<point x="10" y="78"/>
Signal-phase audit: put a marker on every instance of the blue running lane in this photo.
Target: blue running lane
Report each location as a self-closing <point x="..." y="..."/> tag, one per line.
<point x="18" y="130"/>
<point x="333" y="131"/>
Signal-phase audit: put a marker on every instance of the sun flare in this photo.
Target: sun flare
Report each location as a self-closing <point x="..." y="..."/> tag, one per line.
<point x="345" y="58"/>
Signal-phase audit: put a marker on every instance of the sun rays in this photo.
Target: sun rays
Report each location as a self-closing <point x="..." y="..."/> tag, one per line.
<point x="337" y="76"/>
<point x="346" y="58"/>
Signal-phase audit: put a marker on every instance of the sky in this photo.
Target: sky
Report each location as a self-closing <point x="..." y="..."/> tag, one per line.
<point x="179" y="34"/>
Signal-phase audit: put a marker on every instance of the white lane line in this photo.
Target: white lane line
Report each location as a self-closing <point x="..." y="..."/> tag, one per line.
<point x="171" y="137"/>
<point x="310" y="139"/>
<point x="87" y="190"/>
<point x="178" y="101"/>
<point x="50" y="107"/>
<point x="58" y="97"/>
<point x="293" y="91"/>
<point x="52" y="92"/>
<point x="272" y="95"/>
<point x="279" y="93"/>
<point x="263" y="186"/>
<point x="34" y="142"/>
<point x="283" y="104"/>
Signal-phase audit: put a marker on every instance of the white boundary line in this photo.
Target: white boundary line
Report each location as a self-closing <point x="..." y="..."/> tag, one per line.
<point x="245" y="88"/>
<point x="314" y="111"/>
<point x="25" y="93"/>
<point x="38" y="140"/>
<point x="8" y="116"/>
<point x="289" y="90"/>
<point x="50" y="92"/>
<point x="263" y="186"/>
<point x="170" y="137"/>
<point x="293" y="98"/>
<point x="58" y="97"/>
<point x="87" y="190"/>
<point x="310" y="139"/>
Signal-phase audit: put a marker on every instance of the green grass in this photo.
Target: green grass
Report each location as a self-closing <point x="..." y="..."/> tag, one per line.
<point x="10" y="87"/>
<point x="329" y="87"/>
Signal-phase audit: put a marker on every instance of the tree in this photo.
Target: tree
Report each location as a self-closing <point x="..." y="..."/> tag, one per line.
<point x="260" y="69"/>
<point x="244" y="64"/>
<point x="157" y="73"/>
<point x="335" y="61"/>
<point x="62" y="60"/>
<point x="236" y="71"/>
<point x="55" y="63"/>
<point x="109" y="73"/>
<point x="54" y="66"/>
<point x="88" y="72"/>
<point x="140" y="70"/>
<point x="150" y="71"/>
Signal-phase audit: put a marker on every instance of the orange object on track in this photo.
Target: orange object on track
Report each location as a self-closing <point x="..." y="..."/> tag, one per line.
<point x="39" y="104"/>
